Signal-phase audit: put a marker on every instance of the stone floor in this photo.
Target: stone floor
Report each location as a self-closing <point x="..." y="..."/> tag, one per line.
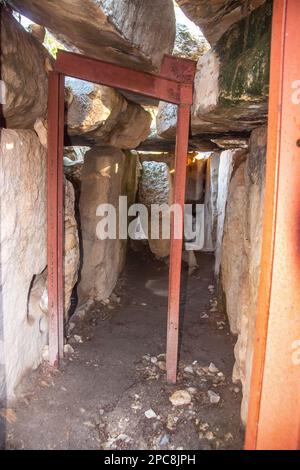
<point x="111" y="391"/>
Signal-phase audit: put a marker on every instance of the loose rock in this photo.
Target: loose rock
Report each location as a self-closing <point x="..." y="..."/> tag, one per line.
<point x="180" y="398"/>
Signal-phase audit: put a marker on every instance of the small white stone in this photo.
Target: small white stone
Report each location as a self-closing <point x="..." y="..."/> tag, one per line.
<point x="78" y="339"/>
<point x="214" y="398"/>
<point x="161" y="365"/>
<point x="209" y="436"/>
<point x="189" y="370"/>
<point x="212" y="368"/>
<point x="153" y="360"/>
<point x="192" y="390"/>
<point x="150" y="414"/>
<point x="204" y="427"/>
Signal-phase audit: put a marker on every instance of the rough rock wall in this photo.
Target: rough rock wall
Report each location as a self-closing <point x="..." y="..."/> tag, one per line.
<point x="122" y="31"/>
<point x="210" y="202"/>
<point x="71" y="245"/>
<point x="24" y="65"/>
<point x="23" y="250"/>
<point x="101" y="114"/>
<point x="241" y="250"/>
<point x="216" y="16"/>
<point x="23" y="254"/>
<point x="156" y="187"/>
<point x="107" y="174"/>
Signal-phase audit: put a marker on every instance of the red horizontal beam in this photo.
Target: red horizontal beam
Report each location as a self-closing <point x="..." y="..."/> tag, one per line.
<point x="116" y="76"/>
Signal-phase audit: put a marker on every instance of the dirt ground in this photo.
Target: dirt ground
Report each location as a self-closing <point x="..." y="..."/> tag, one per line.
<point x="115" y="375"/>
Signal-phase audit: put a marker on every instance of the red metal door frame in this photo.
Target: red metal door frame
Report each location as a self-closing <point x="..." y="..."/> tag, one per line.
<point x="174" y="84"/>
<point x="274" y="408"/>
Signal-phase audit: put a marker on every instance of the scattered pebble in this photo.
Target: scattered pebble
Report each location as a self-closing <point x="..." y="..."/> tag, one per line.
<point x="181" y="397"/>
<point x="153" y="360"/>
<point x="189" y="370"/>
<point x="212" y="368"/>
<point x="161" y="365"/>
<point x="68" y="349"/>
<point x="150" y="414"/>
<point x="78" y="339"/>
<point x="164" y="440"/>
<point x="123" y="437"/>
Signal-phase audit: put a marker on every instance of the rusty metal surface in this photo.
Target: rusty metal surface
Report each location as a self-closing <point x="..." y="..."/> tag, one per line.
<point x="183" y="122"/>
<point x="92" y="70"/>
<point x="55" y="216"/>
<point x="274" y="408"/>
<point x="52" y="207"/>
<point x="60" y="215"/>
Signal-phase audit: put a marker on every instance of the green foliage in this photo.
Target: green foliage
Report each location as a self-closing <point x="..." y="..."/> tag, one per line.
<point x="52" y="44"/>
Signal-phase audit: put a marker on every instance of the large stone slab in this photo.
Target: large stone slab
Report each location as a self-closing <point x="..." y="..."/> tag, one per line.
<point x="241" y="251"/>
<point x="107" y="174"/>
<point x="133" y="33"/>
<point x="24" y="65"/>
<point x="210" y="202"/>
<point x="101" y="114"/>
<point x="217" y="16"/>
<point x="23" y="252"/>
<point x="231" y="82"/>
<point x="23" y="255"/>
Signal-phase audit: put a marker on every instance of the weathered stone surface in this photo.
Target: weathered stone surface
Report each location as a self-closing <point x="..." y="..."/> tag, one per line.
<point x="24" y="62"/>
<point x="104" y="115"/>
<point x="120" y="31"/>
<point x="107" y="174"/>
<point x="231" y="82"/>
<point x="189" y="44"/>
<point x="234" y="260"/>
<point x="216" y="16"/>
<point x="23" y="251"/>
<point x="71" y="247"/>
<point x="156" y="187"/>
<point x="229" y="160"/>
<point x="241" y="250"/>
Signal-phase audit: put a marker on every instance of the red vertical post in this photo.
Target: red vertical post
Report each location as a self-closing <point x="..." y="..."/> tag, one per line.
<point x="55" y="215"/>
<point x="274" y="407"/>
<point x="183" y="124"/>
<point x="60" y="215"/>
